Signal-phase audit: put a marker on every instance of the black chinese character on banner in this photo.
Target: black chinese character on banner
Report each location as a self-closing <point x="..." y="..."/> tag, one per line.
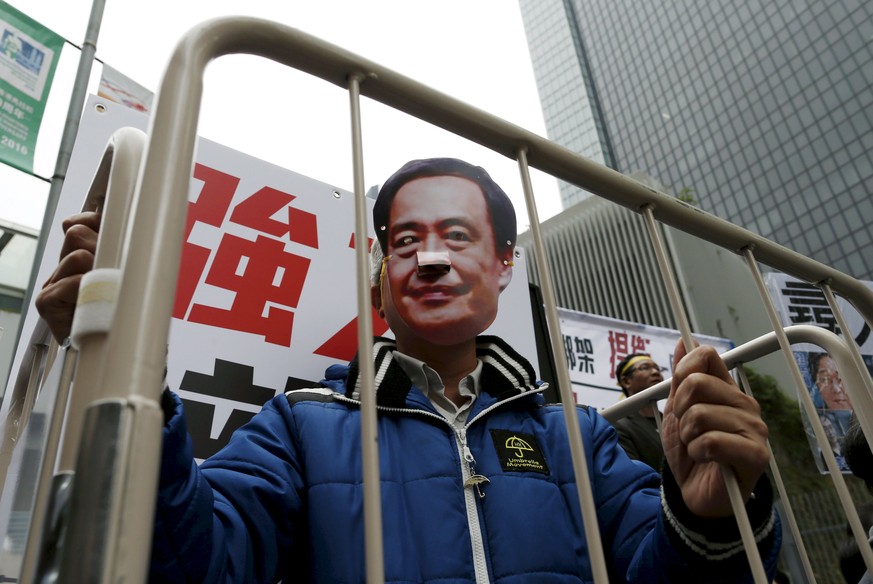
<point x="579" y="351"/>
<point x="230" y="381"/>
<point x="807" y="305"/>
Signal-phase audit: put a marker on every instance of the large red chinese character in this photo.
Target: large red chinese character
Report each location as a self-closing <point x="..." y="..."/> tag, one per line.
<point x="211" y="207"/>
<point x="618" y="350"/>
<point x="344" y="344"/>
<point x="257" y="212"/>
<point x="262" y="274"/>
<point x="638" y="344"/>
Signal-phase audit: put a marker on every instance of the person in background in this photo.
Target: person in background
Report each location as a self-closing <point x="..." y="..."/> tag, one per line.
<point x="638" y="433"/>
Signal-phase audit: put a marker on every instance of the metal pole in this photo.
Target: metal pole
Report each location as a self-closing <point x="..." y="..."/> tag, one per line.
<point x="727" y="473"/>
<point x="65" y="150"/>
<point x="599" y="570"/>
<point x="373" y="545"/>
<point x="783" y="494"/>
<point x="806" y="403"/>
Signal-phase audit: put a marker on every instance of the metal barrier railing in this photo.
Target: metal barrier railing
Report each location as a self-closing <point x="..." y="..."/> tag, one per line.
<point x="855" y="380"/>
<point x="111" y="193"/>
<point x="130" y="422"/>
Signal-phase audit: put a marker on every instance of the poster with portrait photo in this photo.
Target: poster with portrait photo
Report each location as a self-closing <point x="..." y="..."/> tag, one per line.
<point x="832" y="403"/>
<point x="800" y="303"/>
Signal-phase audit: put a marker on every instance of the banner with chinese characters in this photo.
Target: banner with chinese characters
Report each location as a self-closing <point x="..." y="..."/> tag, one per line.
<point x="266" y="294"/>
<point x="800" y="303"/>
<point x="29" y="53"/>
<point x="594" y="345"/>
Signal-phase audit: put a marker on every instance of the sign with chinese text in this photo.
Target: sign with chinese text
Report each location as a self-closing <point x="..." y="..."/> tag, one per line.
<point x="29" y="54"/>
<point x="594" y="345"/>
<point x="266" y="294"/>
<point x="800" y="303"/>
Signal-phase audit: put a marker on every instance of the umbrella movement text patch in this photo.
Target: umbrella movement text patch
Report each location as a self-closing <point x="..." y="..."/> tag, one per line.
<point x="519" y="452"/>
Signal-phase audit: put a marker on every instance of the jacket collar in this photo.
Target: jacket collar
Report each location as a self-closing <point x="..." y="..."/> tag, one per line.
<point x="505" y="373"/>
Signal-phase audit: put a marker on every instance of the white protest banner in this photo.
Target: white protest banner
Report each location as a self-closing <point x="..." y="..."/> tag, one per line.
<point x="800" y="303"/>
<point x="266" y="294"/>
<point x="594" y="345"/>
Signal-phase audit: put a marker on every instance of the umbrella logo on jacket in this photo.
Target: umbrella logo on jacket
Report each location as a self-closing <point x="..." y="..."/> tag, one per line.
<point x="519" y="445"/>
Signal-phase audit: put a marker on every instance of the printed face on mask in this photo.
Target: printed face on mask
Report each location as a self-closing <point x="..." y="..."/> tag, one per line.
<point x="443" y="214"/>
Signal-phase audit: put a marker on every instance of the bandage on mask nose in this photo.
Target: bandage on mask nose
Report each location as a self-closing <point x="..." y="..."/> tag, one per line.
<point x="433" y="263"/>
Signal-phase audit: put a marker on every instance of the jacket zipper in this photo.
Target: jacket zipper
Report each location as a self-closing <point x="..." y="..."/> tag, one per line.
<point x="472" y="481"/>
<point x="480" y="564"/>
<point x="475" y="480"/>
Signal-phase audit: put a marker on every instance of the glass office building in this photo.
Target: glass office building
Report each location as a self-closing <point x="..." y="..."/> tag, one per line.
<point x="762" y="110"/>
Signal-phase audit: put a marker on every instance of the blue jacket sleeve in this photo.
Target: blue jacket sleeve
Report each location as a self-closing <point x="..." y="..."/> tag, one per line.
<point x="680" y="547"/>
<point x="200" y="536"/>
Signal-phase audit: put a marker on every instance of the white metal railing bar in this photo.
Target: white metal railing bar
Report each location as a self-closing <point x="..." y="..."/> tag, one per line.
<point x="783" y="494"/>
<point x="809" y="408"/>
<point x="749" y="351"/>
<point x="90" y="493"/>
<point x="657" y="415"/>
<point x="728" y="475"/>
<point x="755" y="349"/>
<point x="123" y="150"/>
<point x="41" y="335"/>
<point x="369" y="438"/>
<point x="42" y="496"/>
<point x="862" y="399"/>
<point x="568" y="401"/>
<point x="23" y="394"/>
<point x="113" y="197"/>
<point x="668" y="278"/>
<point x="333" y="64"/>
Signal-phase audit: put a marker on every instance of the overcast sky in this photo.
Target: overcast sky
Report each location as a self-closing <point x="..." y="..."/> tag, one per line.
<point x="474" y="50"/>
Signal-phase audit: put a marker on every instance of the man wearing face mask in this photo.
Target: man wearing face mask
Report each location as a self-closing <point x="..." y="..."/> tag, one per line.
<point x="477" y="480"/>
<point x="638" y="433"/>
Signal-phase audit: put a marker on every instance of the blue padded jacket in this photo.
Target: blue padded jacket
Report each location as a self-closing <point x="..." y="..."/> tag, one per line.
<point x="283" y="500"/>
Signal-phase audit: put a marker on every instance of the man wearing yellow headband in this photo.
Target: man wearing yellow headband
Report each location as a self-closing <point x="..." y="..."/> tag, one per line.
<point x="638" y="433"/>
